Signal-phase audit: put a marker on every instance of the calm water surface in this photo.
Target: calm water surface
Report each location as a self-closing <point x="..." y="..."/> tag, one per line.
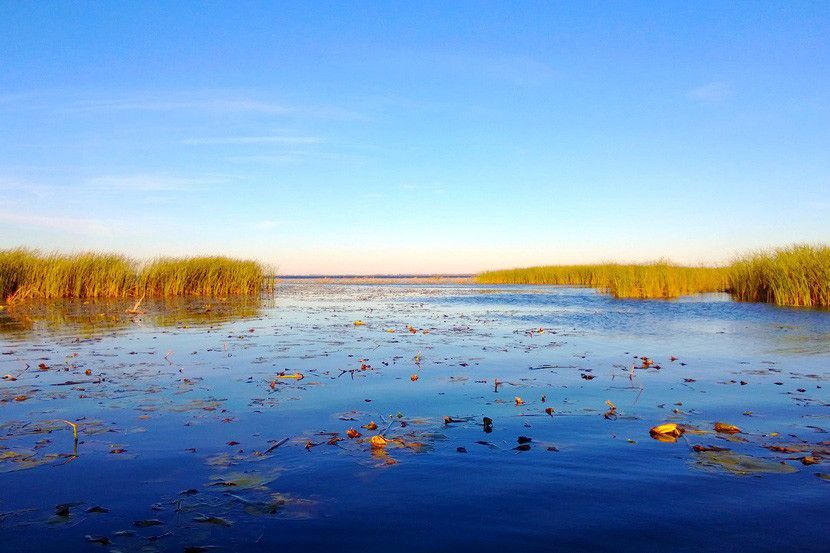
<point x="188" y="439"/>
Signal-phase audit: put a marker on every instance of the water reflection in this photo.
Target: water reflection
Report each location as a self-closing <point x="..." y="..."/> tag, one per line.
<point x="87" y="319"/>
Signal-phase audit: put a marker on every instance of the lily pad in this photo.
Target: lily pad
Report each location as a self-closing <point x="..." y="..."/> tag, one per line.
<point x="741" y="465"/>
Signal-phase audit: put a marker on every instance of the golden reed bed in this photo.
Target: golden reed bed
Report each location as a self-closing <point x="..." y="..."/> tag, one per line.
<point x="29" y="274"/>
<point x="793" y="276"/>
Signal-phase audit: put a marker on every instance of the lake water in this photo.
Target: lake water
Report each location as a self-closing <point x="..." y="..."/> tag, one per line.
<point x="190" y="439"/>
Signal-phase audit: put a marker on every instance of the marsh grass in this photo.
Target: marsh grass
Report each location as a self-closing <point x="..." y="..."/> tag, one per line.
<point x="202" y="276"/>
<point x="797" y="276"/>
<point x="653" y="280"/>
<point x="28" y="274"/>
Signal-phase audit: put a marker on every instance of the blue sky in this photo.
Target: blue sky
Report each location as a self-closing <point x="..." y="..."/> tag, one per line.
<point x="415" y="136"/>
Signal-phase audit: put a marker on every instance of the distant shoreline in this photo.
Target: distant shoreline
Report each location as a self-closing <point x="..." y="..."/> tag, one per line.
<point x="379" y="279"/>
<point x="383" y="276"/>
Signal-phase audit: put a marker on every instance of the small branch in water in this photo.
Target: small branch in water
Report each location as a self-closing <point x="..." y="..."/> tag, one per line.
<point x="275" y="446"/>
<point x="134" y="310"/>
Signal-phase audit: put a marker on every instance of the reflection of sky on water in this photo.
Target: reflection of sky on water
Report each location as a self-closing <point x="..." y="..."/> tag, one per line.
<point x="192" y="398"/>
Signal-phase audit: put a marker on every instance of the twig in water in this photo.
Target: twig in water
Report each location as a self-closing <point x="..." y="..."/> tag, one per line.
<point x="134" y="310"/>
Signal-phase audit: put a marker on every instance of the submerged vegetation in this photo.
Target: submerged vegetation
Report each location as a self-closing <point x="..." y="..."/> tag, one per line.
<point x="795" y="276"/>
<point x="27" y="274"/>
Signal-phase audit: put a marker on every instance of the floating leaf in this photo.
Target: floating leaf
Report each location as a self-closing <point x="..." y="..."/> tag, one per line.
<point x="724" y="428"/>
<point x="378" y="441"/>
<point x="146" y="523"/>
<point x="208" y="519"/>
<point x="785" y="449"/>
<point x="741" y="465"/>
<point x="295" y="376"/>
<point x="701" y="448"/>
<point x="668" y="432"/>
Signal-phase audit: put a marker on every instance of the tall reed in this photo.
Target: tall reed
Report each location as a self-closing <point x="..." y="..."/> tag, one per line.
<point x="204" y="276"/>
<point x="797" y="276"/>
<point x="27" y="274"/>
<point x="653" y="280"/>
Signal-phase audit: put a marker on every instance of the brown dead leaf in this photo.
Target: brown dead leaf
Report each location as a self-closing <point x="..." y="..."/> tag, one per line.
<point x="668" y="432"/>
<point x="724" y="428"/>
<point x="378" y="441"/>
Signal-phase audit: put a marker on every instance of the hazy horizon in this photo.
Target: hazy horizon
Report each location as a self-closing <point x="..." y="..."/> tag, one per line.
<point x="390" y="138"/>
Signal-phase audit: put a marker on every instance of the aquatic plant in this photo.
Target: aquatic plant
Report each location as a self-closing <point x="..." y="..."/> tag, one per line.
<point x="203" y="276"/>
<point x="797" y="276"/>
<point x="662" y="279"/>
<point x="27" y="274"/>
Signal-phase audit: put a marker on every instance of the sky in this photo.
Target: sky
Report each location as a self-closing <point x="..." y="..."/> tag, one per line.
<point x="415" y="137"/>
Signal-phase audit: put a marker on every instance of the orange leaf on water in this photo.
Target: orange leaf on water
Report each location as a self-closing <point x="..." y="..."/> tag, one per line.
<point x="726" y="428"/>
<point x="666" y="432"/>
<point x="378" y="441"/>
<point x="295" y="376"/>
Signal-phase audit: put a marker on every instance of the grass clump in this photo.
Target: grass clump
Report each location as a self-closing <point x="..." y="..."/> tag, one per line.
<point x="202" y="276"/>
<point x="797" y="276"/>
<point x="27" y="274"/>
<point x="642" y="281"/>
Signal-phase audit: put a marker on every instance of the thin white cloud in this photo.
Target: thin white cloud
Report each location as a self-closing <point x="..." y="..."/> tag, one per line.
<point x="223" y="105"/>
<point x="254" y="140"/>
<point x="75" y="225"/>
<point x="214" y="102"/>
<point x="146" y="183"/>
<point x="291" y="157"/>
<point x="711" y="92"/>
<point x="267" y="224"/>
<point x="296" y="157"/>
<point x="521" y="70"/>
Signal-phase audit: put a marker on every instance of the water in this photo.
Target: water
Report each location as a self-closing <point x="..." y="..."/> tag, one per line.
<point x="181" y="410"/>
